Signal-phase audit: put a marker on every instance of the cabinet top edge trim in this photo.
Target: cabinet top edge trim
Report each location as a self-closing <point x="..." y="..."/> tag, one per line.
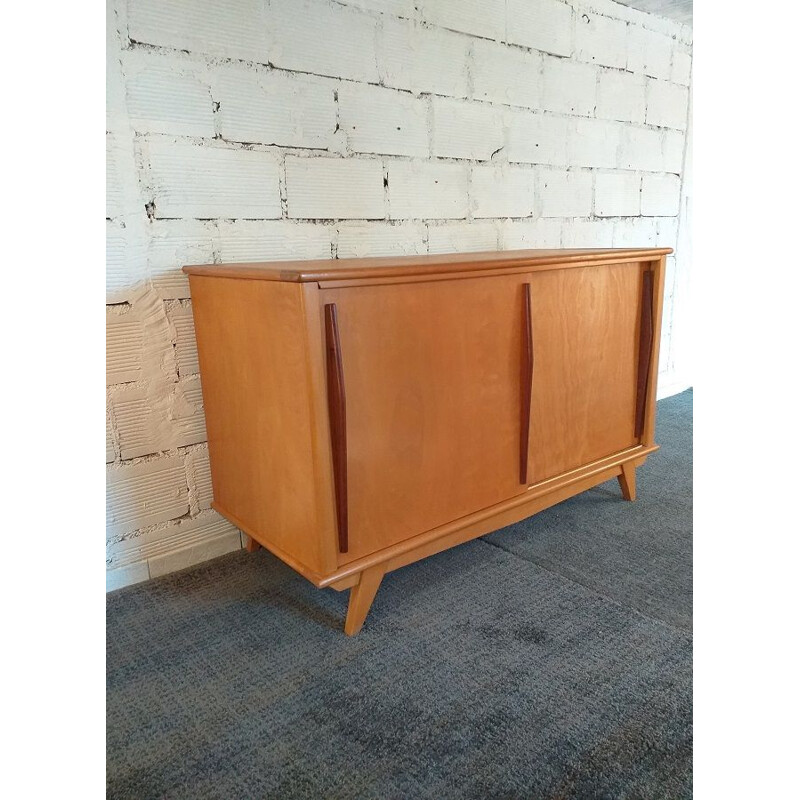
<point x="321" y="270"/>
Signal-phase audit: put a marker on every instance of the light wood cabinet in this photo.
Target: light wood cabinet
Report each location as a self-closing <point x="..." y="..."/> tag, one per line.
<point x="366" y="413"/>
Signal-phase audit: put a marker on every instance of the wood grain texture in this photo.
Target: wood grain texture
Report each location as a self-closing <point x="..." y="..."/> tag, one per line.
<point x="645" y="350"/>
<point x="627" y="481"/>
<point x="526" y="384"/>
<point x="256" y="396"/>
<point x="361" y="597"/>
<point x="585" y="324"/>
<point x="337" y="415"/>
<point x="659" y="275"/>
<point x="357" y="268"/>
<point x="433" y="396"/>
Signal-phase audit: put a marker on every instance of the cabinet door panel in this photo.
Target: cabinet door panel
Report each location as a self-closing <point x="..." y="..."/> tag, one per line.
<point x="433" y="403"/>
<point x="585" y="344"/>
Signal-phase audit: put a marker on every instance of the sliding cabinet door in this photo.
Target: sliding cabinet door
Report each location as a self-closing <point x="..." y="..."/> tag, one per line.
<point x="586" y="332"/>
<point x="425" y="381"/>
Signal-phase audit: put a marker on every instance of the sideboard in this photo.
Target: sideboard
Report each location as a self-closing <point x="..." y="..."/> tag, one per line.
<point x="365" y="413"/>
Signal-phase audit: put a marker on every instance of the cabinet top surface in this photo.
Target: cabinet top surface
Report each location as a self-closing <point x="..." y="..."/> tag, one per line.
<point x="355" y="268"/>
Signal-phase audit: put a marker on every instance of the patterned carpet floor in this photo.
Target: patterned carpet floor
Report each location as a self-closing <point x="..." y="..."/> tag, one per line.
<point x="551" y="659"/>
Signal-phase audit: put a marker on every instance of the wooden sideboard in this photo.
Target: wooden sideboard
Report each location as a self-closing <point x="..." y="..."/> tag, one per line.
<point x="365" y="413"/>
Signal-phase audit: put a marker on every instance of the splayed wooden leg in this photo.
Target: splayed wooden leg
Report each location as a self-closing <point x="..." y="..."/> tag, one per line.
<point x="252" y="545"/>
<point x="627" y="480"/>
<point x="361" y="597"/>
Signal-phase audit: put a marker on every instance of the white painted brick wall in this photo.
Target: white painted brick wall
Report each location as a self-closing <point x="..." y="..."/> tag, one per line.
<point x="257" y="130"/>
<point x="478" y="17"/>
<point x="621" y="96"/>
<point x="569" y="87"/>
<point x="423" y="59"/>
<point x="492" y="66"/>
<point x="536" y="138"/>
<point x="666" y="104"/>
<point x="427" y="190"/>
<point x="274" y="107"/>
<point x="649" y="52"/>
<point x="323" y="38"/>
<point x="565" y="194"/>
<point x="466" y="130"/>
<point x="386" y="121"/>
<point x="502" y="191"/>
<point x="234" y="29"/>
<point x="546" y="25"/>
<point x="661" y="195"/>
<point x="334" y="188"/>
<point x="601" y="40"/>
<point x="188" y="180"/>
<point x="617" y="194"/>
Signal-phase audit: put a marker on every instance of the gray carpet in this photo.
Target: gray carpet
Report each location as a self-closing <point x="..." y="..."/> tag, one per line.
<point x="551" y="659"/>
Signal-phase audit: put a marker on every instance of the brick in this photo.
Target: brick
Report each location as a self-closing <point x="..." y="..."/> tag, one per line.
<point x="198" y="470"/>
<point x="621" y="96"/>
<point x="323" y="38"/>
<point x="502" y="191"/>
<point x="649" y="52"/>
<point x="334" y="188"/>
<point x="661" y="195"/>
<point x="274" y="108"/>
<point x="462" y="237"/>
<point x="189" y="180"/>
<point x="477" y="17"/>
<point x="423" y="59"/>
<point x="377" y="120"/>
<point x="186" y="413"/>
<point x="565" y="194"/>
<point x="137" y="435"/>
<point x="667" y="105"/>
<point x="193" y="541"/>
<point x="617" y="194"/>
<point x="601" y="40"/>
<point x="543" y="24"/>
<point x="126" y="252"/>
<point x="173" y="244"/>
<point x="465" y="130"/>
<point x="641" y="150"/>
<point x="530" y="234"/>
<point x="673" y="151"/>
<point x="536" y="138"/>
<point x="111" y="453"/>
<point x="158" y="417"/>
<point x="168" y="95"/>
<point x="182" y="321"/>
<point x="246" y="240"/>
<point x="362" y="239"/>
<point x="681" y="67"/>
<point x="114" y="198"/>
<point x="126" y="576"/>
<point x="634" y="232"/>
<point x="427" y="190"/>
<point x="588" y="233"/>
<point x="492" y="66"/>
<point x="594" y="143"/>
<point x="235" y="29"/>
<point x="667" y="235"/>
<point x="395" y="8"/>
<point x="165" y="540"/>
<point x="569" y="87"/>
<point x="138" y="495"/>
<point x="124" y="347"/>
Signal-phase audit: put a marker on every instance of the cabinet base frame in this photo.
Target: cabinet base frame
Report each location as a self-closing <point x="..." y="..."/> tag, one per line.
<point x="363" y="576"/>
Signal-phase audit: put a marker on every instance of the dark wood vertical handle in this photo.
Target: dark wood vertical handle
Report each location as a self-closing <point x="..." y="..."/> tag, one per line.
<point x="645" y="350"/>
<point x="338" y="419"/>
<point x="526" y="383"/>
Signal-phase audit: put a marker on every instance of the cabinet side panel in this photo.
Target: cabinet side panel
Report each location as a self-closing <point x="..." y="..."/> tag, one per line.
<point x="253" y="352"/>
